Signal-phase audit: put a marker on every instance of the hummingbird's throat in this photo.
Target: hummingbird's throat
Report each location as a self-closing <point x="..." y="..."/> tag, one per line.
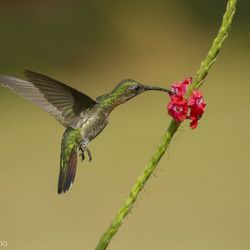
<point x="110" y="100"/>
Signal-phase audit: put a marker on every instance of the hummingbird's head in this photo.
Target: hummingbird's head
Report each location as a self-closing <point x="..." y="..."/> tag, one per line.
<point x="129" y="88"/>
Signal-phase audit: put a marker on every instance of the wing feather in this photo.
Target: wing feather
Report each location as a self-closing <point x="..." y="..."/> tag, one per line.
<point x="61" y="101"/>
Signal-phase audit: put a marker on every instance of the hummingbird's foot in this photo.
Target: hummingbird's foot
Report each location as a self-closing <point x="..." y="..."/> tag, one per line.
<point x="82" y="155"/>
<point x="89" y="154"/>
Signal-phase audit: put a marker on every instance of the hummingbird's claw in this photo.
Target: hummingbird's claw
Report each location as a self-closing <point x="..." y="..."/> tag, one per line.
<point x="83" y="150"/>
<point x="82" y="155"/>
<point x="89" y="154"/>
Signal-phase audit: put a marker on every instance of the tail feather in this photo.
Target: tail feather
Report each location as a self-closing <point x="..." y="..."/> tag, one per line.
<point x="68" y="161"/>
<point x="67" y="177"/>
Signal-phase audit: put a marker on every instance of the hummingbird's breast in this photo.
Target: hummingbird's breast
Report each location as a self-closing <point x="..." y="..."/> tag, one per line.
<point x="94" y="122"/>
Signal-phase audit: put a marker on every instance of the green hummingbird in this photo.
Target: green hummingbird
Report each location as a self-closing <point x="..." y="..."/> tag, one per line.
<point x="83" y="117"/>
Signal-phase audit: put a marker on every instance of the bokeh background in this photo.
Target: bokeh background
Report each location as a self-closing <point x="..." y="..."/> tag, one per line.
<point x="198" y="197"/>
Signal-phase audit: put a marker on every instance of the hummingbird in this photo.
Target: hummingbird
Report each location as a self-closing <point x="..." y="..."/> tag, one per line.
<point x="83" y="117"/>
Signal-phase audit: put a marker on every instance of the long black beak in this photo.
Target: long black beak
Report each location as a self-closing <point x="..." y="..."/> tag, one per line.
<point x="157" y="88"/>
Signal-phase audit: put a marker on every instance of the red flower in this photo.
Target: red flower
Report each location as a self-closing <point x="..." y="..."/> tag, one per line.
<point x="193" y="124"/>
<point x="180" y="88"/>
<point x="186" y="82"/>
<point x="197" y="107"/>
<point x="177" y="108"/>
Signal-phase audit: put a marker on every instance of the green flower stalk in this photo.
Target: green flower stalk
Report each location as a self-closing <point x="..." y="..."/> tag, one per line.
<point x="173" y="127"/>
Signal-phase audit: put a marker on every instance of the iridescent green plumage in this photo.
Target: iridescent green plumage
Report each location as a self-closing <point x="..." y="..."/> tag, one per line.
<point x="83" y="117"/>
<point x="68" y="160"/>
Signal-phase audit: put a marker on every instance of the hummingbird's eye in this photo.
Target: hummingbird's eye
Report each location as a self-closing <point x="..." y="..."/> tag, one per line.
<point x="136" y="88"/>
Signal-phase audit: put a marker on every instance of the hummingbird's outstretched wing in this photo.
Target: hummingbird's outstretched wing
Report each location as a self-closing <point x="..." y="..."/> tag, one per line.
<point x="61" y="101"/>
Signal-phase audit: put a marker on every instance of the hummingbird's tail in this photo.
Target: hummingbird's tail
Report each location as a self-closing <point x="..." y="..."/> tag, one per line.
<point x="68" y="160"/>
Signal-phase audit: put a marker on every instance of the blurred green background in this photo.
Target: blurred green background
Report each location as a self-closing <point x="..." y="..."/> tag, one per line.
<point x="198" y="197"/>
